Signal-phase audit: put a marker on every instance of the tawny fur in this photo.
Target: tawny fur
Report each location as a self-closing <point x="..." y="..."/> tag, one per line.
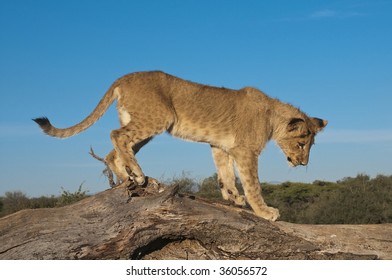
<point x="236" y="123"/>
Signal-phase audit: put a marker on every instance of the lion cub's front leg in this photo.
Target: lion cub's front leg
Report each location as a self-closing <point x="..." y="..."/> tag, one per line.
<point x="246" y="163"/>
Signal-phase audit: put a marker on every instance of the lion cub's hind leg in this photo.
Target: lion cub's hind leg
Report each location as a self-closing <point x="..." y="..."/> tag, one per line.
<point x="128" y="139"/>
<point x="115" y="164"/>
<point x="123" y="140"/>
<point x="226" y="176"/>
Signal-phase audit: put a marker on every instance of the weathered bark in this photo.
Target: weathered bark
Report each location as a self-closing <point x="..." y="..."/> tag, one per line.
<point x="167" y="225"/>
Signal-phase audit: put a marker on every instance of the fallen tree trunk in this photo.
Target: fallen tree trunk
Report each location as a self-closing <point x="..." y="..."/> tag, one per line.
<point x="168" y="225"/>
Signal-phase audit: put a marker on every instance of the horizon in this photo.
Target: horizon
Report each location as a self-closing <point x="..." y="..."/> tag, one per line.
<point x="332" y="60"/>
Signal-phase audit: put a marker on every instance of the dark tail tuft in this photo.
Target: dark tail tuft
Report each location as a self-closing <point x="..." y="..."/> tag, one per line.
<point x="44" y="123"/>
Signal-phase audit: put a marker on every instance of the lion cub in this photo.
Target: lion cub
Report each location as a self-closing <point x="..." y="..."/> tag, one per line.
<point x="236" y="123"/>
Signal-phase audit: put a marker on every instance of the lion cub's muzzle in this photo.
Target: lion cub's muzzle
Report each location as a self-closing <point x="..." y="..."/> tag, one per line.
<point x="295" y="162"/>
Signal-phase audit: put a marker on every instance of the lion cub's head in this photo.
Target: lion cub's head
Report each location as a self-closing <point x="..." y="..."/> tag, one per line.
<point x="297" y="137"/>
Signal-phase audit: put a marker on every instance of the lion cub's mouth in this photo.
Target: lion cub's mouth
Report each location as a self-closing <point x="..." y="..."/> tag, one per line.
<point x="295" y="163"/>
<point x="290" y="162"/>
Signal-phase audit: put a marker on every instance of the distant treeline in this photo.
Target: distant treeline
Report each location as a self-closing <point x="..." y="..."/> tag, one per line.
<point x="358" y="200"/>
<point x="12" y="202"/>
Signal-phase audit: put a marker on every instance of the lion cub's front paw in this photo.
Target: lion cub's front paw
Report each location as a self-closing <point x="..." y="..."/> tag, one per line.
<point x="273" y="214"/>
<point x="268" y="213"/>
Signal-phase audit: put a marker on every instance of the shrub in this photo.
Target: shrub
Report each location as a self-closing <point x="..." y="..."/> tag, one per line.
<point x="13" y="202"/>
<point x="358" y="200"/>
<point x="43" y="202"/>
<point x="209" y="188"/>
<point x="68" y="197"/>
<point x="185" y="183"/>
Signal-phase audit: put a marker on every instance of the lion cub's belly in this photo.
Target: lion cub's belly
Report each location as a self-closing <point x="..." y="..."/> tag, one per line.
<point x="208" y="132"/>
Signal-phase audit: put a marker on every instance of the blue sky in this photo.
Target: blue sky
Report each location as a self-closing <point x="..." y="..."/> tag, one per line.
<point x="333" y="59"/>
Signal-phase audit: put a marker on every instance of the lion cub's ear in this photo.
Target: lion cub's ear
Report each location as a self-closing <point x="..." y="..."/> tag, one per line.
<point x="295" y="124"/>
<point x="319" y="124"/>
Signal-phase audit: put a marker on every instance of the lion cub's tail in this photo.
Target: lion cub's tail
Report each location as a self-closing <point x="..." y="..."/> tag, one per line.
<point x="101" y="108"/>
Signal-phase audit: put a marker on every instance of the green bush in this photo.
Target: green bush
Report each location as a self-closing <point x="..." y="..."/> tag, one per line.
<point x="13" y="202"/>
<point x="43" y="202"/>
<point x="68" y="197"/>
<point x="185" y="183"/>
<point x="294" y="199"/>
<point x="358" y="200"/>
<point x="209" y="188"/>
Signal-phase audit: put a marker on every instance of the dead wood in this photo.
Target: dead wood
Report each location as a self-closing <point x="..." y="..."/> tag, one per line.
<point x="107" y="171"/>
<point x="166" y="225"/>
